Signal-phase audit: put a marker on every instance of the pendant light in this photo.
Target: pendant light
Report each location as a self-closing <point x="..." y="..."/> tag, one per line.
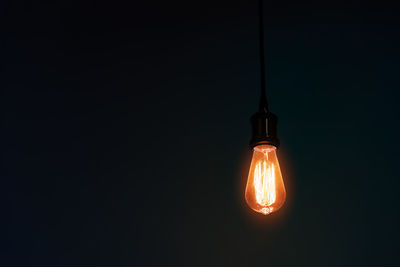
<point x="265" y="190"/>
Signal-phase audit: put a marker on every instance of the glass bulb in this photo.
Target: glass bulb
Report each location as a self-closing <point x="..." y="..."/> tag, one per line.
<point x="265" y="191"/>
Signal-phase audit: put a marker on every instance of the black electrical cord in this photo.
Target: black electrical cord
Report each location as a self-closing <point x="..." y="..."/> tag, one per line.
<point x="264" y="123"/>
<point x="263" y="98"/>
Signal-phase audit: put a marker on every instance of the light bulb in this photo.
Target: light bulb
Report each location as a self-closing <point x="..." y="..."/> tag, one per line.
<point x="265" y="191"/>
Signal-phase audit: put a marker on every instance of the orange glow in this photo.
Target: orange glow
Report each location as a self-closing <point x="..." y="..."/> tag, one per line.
<point x="265" y="191"/>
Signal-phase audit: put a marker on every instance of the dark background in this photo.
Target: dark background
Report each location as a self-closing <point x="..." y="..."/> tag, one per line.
<point x="125" y="130"/>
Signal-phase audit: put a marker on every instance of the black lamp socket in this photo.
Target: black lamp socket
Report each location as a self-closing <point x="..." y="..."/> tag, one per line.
<point x="264" y="129"/>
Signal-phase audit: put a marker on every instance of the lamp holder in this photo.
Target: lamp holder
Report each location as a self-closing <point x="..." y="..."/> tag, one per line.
<point x="264" y="129"/>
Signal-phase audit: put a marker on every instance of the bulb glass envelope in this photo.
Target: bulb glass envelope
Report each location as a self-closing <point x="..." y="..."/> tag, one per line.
<point x="265" y="190"/>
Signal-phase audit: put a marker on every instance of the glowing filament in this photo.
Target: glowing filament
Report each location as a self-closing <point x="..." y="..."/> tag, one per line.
<point x="264" y="184"/>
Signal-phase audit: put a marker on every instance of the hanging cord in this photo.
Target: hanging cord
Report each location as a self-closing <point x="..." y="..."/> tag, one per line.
<point x="263" y="98"/>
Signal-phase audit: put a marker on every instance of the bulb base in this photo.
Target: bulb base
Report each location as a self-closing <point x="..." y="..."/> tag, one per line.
<point x="264" y="129"/>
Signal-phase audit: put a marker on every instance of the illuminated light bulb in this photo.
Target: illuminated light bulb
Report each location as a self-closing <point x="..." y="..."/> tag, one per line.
<point x="265" y="191"/>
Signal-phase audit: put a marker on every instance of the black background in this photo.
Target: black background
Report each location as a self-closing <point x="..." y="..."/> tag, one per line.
<point x="125" y="129"/>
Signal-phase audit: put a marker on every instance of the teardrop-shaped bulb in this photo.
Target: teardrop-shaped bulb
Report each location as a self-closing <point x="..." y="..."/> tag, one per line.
<point x="265" y="191"/>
